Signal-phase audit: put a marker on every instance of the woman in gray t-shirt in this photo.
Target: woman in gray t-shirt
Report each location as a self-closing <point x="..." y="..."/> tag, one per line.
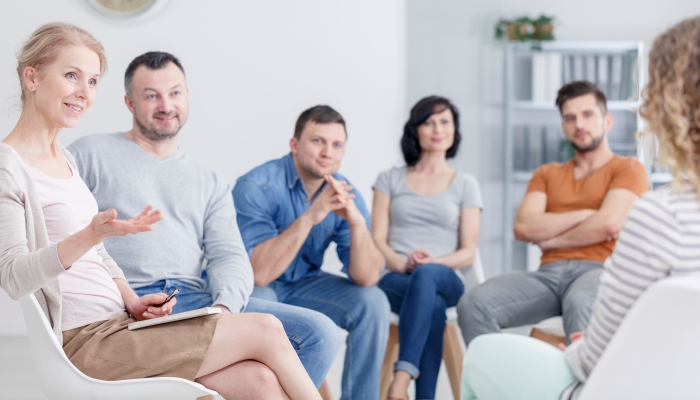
<point x="425" y="221"/>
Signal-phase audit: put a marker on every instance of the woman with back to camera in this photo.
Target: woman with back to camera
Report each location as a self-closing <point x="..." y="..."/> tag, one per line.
<point x="659" y="239"/>
<point x="52" y="246"/>
<point x="425" y="221"/>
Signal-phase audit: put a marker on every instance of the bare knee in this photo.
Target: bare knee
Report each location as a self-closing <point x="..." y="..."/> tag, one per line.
<point x="270" y="324"/>
<point x="270" y="329"/>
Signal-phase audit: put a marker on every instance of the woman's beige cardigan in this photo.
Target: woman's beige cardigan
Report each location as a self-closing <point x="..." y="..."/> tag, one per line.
<point x="28" y="262"/>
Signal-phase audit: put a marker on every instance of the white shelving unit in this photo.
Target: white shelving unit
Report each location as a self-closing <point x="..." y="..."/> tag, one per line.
<point x="618" y="67"/>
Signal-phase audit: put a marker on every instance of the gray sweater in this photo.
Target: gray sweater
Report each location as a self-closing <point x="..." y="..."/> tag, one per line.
<point x="199" y="227"/>
<point x="28" y="262"/>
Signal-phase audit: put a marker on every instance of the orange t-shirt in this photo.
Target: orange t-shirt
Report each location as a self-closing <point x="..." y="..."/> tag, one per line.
<point x="564" y="194"/>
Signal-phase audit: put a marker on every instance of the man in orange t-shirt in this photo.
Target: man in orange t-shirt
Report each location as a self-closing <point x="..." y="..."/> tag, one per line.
<point x="573" y="212"/>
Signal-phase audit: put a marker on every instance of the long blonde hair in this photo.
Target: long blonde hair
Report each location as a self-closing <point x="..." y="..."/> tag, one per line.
<point x="672" y="100"/>
<point x="42" y="47"/>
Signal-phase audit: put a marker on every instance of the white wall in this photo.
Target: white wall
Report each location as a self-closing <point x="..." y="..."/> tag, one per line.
<point x="451" y="51"/>
<point x="252" y="67"/>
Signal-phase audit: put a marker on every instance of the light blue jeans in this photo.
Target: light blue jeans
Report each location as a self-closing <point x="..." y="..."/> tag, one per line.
<point x="314" y="336"/>
<point x="504" y="366"/>
<point x="362" y="311"/>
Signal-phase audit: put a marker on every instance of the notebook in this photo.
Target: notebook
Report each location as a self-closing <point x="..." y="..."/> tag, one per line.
<point x="201" y="312"/>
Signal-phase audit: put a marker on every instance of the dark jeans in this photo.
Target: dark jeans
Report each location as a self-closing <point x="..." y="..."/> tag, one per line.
<point x="420" y="299"/>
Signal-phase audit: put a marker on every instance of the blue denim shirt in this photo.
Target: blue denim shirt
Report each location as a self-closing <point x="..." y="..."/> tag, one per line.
<point x="270" y="197"/>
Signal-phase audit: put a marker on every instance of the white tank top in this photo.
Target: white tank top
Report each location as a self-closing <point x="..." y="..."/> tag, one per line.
<point x="88" y="290"/>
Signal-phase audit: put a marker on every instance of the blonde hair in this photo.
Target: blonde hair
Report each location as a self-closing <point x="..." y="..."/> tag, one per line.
<point x="43" y="46"/>
<point x="672" y="100"/>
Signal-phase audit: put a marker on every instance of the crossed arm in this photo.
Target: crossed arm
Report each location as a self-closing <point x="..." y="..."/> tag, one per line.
<point x="572" y="229"/>
<point x="463" y="257"/>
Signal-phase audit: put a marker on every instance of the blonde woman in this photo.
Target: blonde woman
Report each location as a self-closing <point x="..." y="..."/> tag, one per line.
<point x="52" y="246"/>
<point x="658" y="240"/>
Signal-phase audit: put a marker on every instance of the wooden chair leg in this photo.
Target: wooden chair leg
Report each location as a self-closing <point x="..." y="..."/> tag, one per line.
<point x="325" y="391"/>
<point x="453" y="355"/>
<point x="390" y="357"/>
<point x="547" y="338"/>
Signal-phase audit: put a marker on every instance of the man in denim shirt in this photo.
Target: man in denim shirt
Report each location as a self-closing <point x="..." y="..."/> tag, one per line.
<point x="288" y="211"/>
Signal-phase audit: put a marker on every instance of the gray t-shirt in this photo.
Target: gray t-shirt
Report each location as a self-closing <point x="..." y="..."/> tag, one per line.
<point x="422" y="221"/>
<point x="199" y="222"/>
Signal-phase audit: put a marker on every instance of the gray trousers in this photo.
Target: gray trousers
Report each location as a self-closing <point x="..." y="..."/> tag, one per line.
<point x="566" y="288"/>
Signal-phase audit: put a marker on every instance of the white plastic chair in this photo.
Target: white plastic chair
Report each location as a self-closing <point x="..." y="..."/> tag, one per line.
<point x="452" y="352"/>
<point x="654" y="352"/>
<point x="61" y="380"/>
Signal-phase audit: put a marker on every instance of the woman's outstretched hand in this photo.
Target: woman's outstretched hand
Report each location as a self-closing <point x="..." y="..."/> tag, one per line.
<point x="102" y="226"/>
<point x="105" y="224"/>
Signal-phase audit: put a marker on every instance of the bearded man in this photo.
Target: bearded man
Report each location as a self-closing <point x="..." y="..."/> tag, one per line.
<point x="197" y="248"/>
<point x="573" y="211"/>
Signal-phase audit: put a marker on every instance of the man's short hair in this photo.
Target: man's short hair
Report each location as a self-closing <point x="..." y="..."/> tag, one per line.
<point x="152" y="60"/>
<point x="320" y="115"/>
<point x="578" y="89"/>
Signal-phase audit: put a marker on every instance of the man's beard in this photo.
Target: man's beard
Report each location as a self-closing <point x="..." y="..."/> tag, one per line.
<point x="594" y="145"/>
<point x="152" y="133"/>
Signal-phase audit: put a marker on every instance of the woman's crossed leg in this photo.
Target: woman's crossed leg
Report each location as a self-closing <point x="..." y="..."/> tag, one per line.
<point x="251" y="357"/>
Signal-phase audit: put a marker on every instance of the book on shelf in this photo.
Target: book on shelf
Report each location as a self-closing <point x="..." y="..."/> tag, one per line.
<point x="615" y="77"/>
<point x="537" y="145"/>
<point x="554" y="75"/>
<point x="546" y="76"/>
<point x="590" y="68"/>
<point x="577" y="67"/>
<point x="567" y="77"/>
<point x="539" y="77"/>
<point x="603" y="73"/>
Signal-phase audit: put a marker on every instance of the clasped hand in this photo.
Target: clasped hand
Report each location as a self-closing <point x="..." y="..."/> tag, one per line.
<point x="418" y="258"/>
<point x="335" y="197"/>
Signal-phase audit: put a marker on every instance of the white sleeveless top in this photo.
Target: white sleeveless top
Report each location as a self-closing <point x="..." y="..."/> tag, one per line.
<point x="89" y="292"/>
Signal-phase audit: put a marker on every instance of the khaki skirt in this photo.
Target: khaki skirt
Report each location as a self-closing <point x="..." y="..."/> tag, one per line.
<point x="107" y="350"/>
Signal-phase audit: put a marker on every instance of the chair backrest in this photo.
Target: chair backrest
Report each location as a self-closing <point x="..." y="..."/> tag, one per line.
<point x="59" y="379"/>
<point x="54" y="371"/>
<point x="655" y="353"/>
<point x="473" y="275"/>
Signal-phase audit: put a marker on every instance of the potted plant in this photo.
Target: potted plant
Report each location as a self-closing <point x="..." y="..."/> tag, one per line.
<point x="543" y="28"/>
<point x="516" y="30"/>
<point x="523" y="29"/>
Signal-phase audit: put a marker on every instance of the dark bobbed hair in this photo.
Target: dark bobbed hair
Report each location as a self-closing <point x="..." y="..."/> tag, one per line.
<point x="321" y="114"/>
<point x="427" y="106"/>
<point x="152" y="60"/>
<point x="578" y="89"/>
